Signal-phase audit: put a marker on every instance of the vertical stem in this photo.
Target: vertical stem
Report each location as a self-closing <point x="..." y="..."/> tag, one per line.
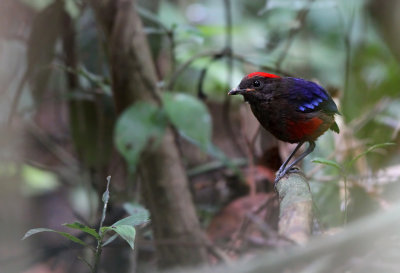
<point x="99" y="248"/>
<point x="345" y="98"/>
<point x="300" y="18"/>
<point x="229" y="56"/>
<point x="345" y="200"/>
<point x="347" y="68"/>
<point x="228" y="39"/>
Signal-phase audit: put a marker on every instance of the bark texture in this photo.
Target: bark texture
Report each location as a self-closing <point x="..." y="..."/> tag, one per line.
<point x="178" y="236"/>
<point x="295" y="219"/>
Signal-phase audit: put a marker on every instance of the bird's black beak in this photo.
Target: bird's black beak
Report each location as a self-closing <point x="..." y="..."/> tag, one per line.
<point x="236" y="91"/>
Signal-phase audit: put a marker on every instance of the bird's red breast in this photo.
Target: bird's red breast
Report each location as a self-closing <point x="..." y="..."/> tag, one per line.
<point x="303" y="128"/>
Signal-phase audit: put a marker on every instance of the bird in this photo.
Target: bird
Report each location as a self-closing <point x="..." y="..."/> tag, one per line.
<point x="292" y="109"/>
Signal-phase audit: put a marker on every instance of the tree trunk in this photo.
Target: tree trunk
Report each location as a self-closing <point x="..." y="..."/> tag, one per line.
<point x="178" y="236"/>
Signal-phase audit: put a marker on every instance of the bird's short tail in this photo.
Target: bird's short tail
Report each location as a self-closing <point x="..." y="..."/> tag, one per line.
<point x="334" y="127"/>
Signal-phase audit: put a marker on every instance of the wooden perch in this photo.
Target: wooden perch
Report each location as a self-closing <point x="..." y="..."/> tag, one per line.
<point x="295" y="217"/>
<point x="350" y="242"/>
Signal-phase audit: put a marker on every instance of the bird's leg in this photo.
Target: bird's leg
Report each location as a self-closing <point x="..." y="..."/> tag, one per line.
<point x="283" y="166"/>
<point x="309" y="150"/>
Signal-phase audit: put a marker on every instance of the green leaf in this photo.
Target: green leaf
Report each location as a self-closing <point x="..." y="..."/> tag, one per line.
<point x="327" y="162"/>
<point x="370" y="149"/>
<point x="109" y="240"/>
<point x="133" y="220"/>
<point x="127" y="232"/>
<point x="140" y="127"/>
<point x="66" y="235"/>
<point x="83" y="228"/>
<point x="139" y="213"/>
<point x="190" y="116"/>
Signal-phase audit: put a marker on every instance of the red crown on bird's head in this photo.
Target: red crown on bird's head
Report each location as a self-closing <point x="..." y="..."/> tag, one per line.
<point x="262" y="74"/>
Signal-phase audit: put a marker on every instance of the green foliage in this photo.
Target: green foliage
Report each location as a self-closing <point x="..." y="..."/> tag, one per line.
<point x="345" y="169"/>
<point x="125" y="231"/>
<point x="83" y="228"/>
<point x="190" y="116"/>
<point x="327" y="162"/>
<point x="138" y="216"/>
<point x="140" y="127"/>
<point x="261" y="30"/>
<point x="125" y="228"/>
<point x="332" y="191"/>
<point x="370" y="149"/>
<point x="65" y="234"/>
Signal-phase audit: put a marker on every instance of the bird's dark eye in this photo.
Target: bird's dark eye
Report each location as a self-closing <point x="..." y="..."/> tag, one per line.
<point x="256" y="83"/>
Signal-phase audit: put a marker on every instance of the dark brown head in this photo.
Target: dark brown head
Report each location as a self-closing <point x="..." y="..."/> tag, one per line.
<point x="256" y="86"/>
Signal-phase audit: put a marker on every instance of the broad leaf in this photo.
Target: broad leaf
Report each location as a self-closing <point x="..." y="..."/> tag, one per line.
<point x="127" y="232"/>
<point x="66" y="235"/>
<point x="111" y="239"/>
<point x="133" y="220"/>
<point x="190" y="116"/>
<point x="138" y="213"/>
<point x="141" y="126"/>
<point x="86" y="229"/>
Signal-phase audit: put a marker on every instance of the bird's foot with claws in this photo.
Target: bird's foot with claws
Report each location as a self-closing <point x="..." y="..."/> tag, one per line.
<point x="281" y="173"/>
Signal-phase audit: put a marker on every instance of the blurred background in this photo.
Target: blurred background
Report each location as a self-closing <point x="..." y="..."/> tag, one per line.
<point x="62" y="131"/>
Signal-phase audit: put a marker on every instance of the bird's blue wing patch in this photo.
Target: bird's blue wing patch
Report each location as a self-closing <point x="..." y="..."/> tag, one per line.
<point x="309" y="97"/>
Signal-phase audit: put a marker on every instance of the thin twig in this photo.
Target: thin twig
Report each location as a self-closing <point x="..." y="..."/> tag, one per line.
<point x="229" y="54"/>
<point x="299" y="23"/>
<point x="217" y="252"/>
<point x="215" y="166"/>
<point x="16" y="99"/>
<point x="203" y="73"/>
<point x="57" y="150"/>
<point x="347" y="43"/>
<point x="185" y="65"/>
<point x="345" y="200"/>
<point x="229" y="40"/>
<point x="99" y="248"/>
<point x="243" y="59"/>
<point x="239" y="234"/>
<point x="212" y="53"/>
